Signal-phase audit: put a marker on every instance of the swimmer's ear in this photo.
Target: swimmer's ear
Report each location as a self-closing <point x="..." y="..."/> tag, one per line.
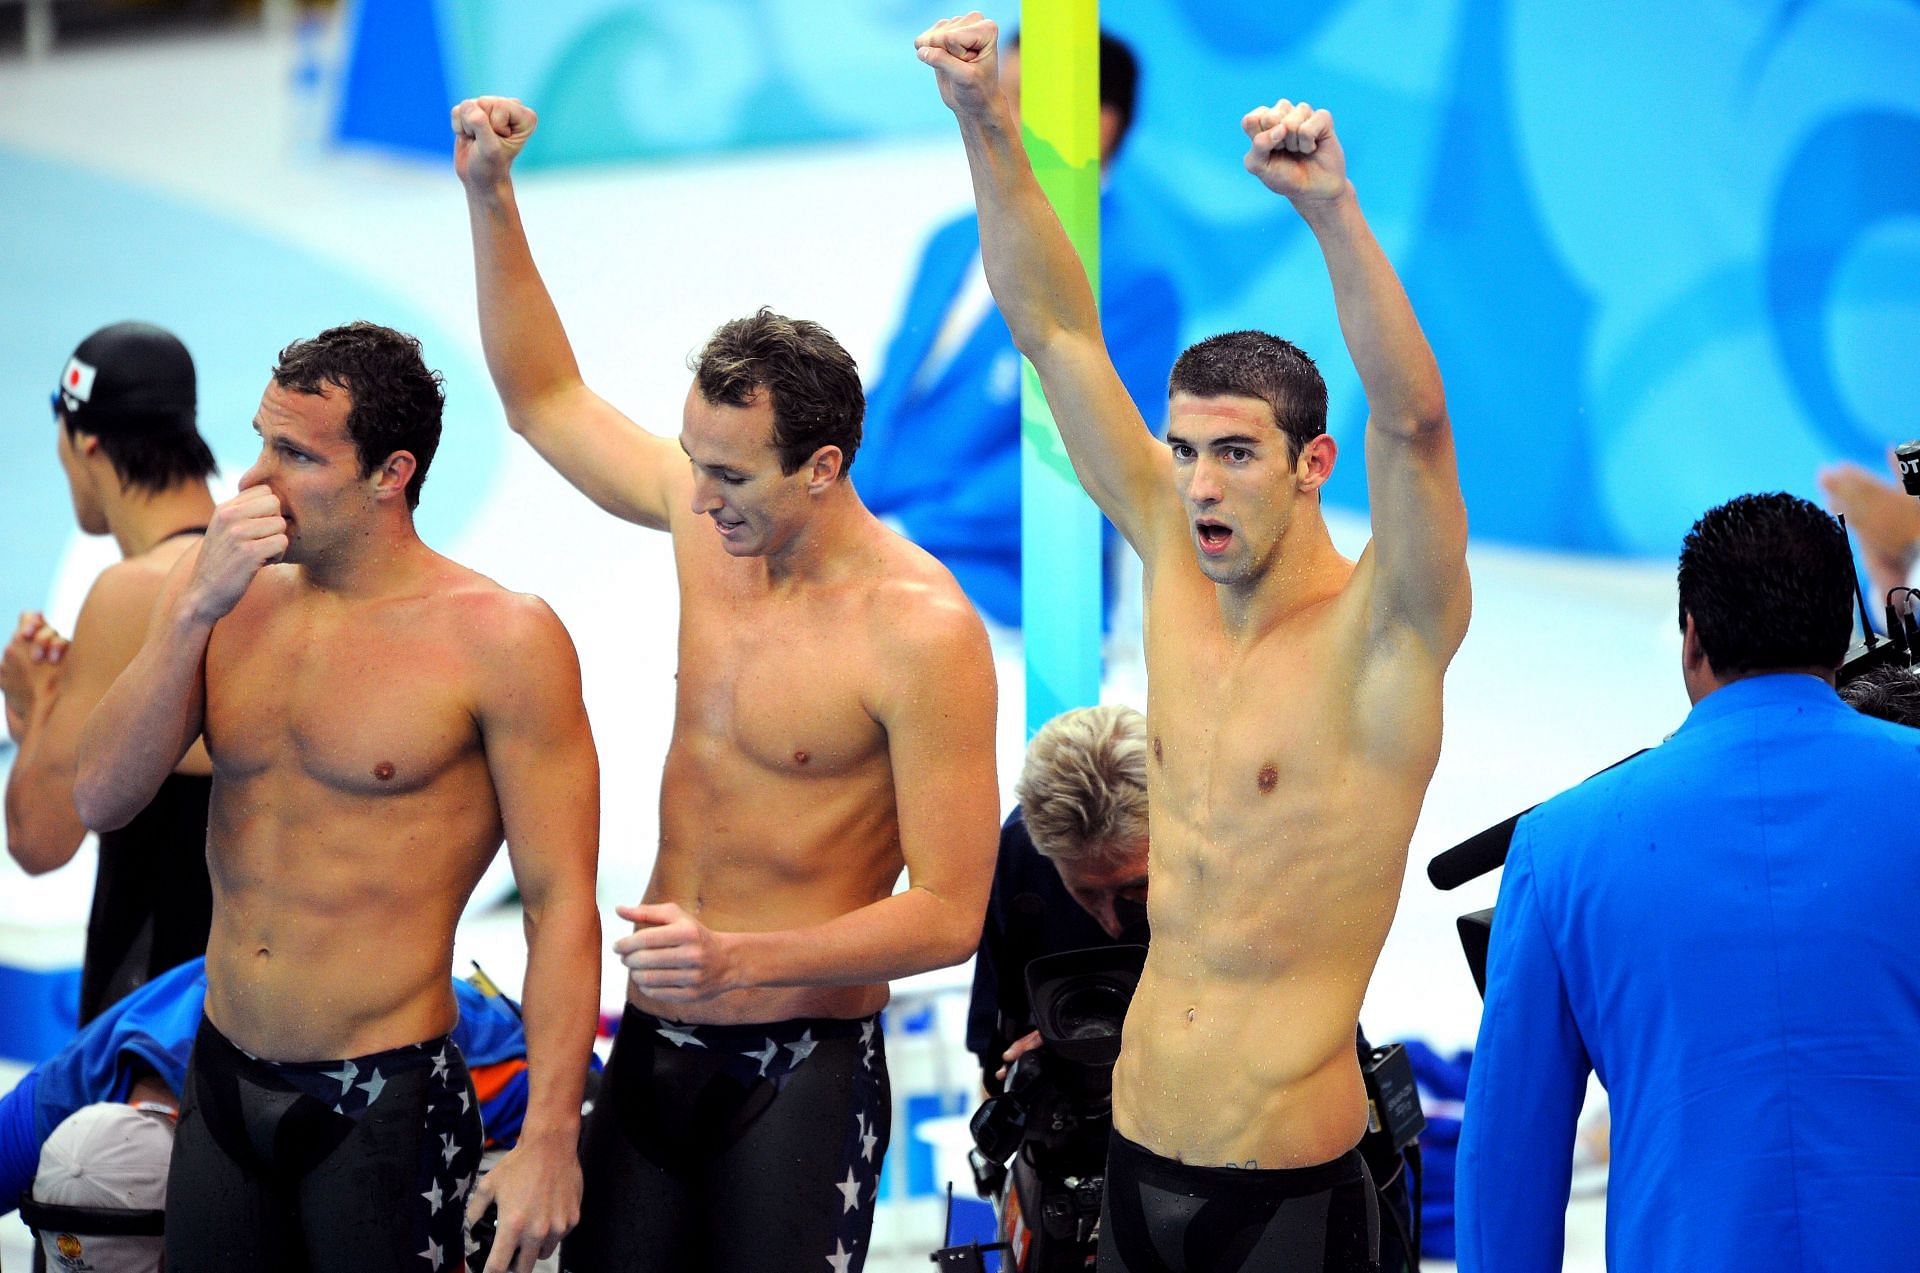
<point x="824" y="468"/>
<point x="391" y="478"/>
<point x="1315" y="463"/>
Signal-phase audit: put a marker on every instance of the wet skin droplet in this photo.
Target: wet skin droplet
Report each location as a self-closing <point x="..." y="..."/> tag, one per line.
<point x="1156" y="748"/>
<point x="1269" y="779"/>
<point x="384" y="771"/>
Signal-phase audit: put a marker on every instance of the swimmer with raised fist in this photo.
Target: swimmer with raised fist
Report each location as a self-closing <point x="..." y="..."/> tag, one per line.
<point x="1294" y="696"/>
<point x="833" y="724"/>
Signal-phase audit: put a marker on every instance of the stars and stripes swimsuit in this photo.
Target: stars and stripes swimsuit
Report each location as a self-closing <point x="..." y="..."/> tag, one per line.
<point x="360" y="1165"/>
<point x="750" y="1148"/>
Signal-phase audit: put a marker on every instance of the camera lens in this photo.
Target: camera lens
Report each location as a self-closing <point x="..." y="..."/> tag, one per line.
<point x="1092" y="1011"/>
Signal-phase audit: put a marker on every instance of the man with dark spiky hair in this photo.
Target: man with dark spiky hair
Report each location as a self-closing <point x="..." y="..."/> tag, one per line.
<point x="379" y="719"/>
<point x="1294" y="696"/>
<point x="136" y="467"/>
<point x="1721" y="929"/>
<point x="833" y="725"/>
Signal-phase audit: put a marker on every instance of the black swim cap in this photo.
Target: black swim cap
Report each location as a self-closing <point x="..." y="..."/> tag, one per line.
<point x="129" y="378"/>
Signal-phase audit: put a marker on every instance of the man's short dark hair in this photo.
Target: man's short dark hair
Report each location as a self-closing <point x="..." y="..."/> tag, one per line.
<point x="149" y="455"/>
<point x="1119" y="81"/>
<point x="1889" y="693"/>
<point x="1248" y="364"/>
<point x="397" y="402"/>
<point x="817" y="399"/>
<point x="1768" y="580"/>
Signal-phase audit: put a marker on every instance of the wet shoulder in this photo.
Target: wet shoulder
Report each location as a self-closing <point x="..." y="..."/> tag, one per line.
<point x="917" y="617"/>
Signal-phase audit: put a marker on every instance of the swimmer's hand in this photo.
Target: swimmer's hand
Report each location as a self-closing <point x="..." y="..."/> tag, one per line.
<point x="1019" y="1048"/>
<point x="1882" y="516"/>
<point x="535" y="1190"/>
<point x="245" y="534"/>
<point x="673" y="957"/>
<point x="964" y="53"/>
<point x="488" y="135"/>
<point x="1294" y="152"/>
<point x="30" y="669"/>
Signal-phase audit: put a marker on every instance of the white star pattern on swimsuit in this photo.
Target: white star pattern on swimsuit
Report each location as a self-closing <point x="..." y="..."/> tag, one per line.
<point x="433" y="1255"/>
<point x="434" y="1198"/>
<point x="448" y="1150"/>
<point x="841" y="1257"/>
<point x="803" y="1047"/>
<point x="373" y="1086"/>
<point x="849" y="1192"/>
<point x="765" y="1056"/>
<point x="680" y="1038"/>
<point x="347" y="1073"/>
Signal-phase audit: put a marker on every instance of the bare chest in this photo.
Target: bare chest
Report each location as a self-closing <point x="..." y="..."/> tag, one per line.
<point x="780" y="687"/>
<point x="1242" y="735"/>
<point x="371" y="707"/>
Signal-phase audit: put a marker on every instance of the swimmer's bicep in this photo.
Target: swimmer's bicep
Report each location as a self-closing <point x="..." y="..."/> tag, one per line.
<point x="1419" y="536"/>
<point x="1118" y="461"/>
<point x="941" y="749"/>
<point x="626" y="470"/>
<point x="539" y="745"/>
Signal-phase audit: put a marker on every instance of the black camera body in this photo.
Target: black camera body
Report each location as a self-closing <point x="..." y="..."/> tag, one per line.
<point x="1041" y="1144"/>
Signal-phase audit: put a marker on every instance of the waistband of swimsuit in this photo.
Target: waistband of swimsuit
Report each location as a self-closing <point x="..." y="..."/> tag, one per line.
<point x="392" y="1061"/>
<point x="1129" y="1158"/>
<point x="753" y="1033"/>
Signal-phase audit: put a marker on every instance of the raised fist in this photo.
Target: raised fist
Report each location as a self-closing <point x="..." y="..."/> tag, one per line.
<point x="245" y="534"/>
<point x="489" y="134"/>
<point x="1294" y="151"/>
<point x="964" y="53"/>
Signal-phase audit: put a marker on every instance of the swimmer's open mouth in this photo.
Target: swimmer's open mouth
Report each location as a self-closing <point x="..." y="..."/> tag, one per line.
<point x="1213" y="537"/>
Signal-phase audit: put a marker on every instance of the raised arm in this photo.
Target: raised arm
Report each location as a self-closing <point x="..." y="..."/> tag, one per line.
<point x="43" y="827"/>
<point x="1419" y="519"/>
<point x="152" y="713"/>
<point x="546" y="776"/>
<point x="1041" y="287"/>
<point x="626" y="470"/>
<point x="941" y="746"/>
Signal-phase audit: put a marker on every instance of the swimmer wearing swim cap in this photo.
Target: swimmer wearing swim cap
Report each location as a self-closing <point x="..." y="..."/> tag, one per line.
<point x="136" y="468"/>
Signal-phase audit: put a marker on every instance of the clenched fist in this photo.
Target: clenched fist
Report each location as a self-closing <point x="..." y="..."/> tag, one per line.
<point x="1294" y="152"/>
<point x="672" y="956"/>
<point x="30" y="669"/>
<point x="245" y="534"/>
<point x="964" y="53"/>
<point x="489" y="134"/>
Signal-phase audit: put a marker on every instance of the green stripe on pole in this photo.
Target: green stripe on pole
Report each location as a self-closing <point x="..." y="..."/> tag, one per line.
<point x="1059" y="525"/>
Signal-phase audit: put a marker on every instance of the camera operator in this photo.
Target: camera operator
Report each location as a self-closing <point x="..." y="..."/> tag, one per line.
<point x="1721" y="929"/>
<point x="1072" y="875"/>
<point x="1889" y="693"/>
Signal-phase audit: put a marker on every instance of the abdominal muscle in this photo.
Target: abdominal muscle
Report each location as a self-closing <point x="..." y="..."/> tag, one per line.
<point x="333" y="919"/>
<point x="1229" y="1072"/>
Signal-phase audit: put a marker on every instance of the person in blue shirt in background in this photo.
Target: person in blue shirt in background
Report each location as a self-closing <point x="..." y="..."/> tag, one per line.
<point x="137" y="1052"/>
<point x="1720" y="928"/>
<point x="941" y="456"/>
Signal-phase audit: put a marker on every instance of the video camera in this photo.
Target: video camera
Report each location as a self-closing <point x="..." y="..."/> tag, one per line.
<point x="1041" y="1144"/>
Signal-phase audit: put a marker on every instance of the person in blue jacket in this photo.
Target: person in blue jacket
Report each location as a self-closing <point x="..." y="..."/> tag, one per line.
<point x="138" y="1050"/>
<point x="941" y="455"/>
<point x="1721" y="929"/>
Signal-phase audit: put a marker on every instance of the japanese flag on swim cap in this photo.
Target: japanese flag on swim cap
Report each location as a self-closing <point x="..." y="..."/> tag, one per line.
<point x="129" y="378"/>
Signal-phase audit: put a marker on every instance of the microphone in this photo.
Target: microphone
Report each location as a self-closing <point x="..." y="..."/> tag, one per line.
<point x="1478" y="854"/>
